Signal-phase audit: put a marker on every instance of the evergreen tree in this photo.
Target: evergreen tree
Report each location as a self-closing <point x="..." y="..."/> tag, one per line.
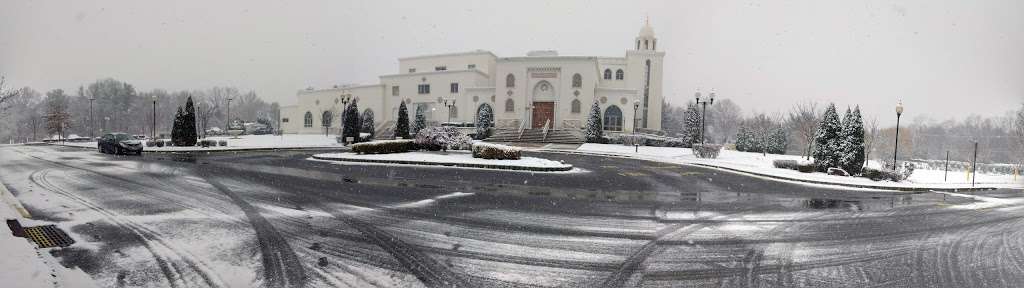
<point x="827" y="140"/>
<point x="852" y="158"/>
<point x="188" y="122"/>
<point x="366" y="123"/>
<point x="176" y="128"/>
<point x="691" y="122"/>
<point x="594" y="128"/>
<point x="777" y="141"/>
<point x="402" y="127"/>
<point x="350" y="125"/>
<point x="484" y="121"/>
<point x="743" y="139"/>
<point x="421" y="121"/>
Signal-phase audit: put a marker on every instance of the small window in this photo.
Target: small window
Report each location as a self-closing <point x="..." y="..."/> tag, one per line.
<point x="308" y="121"/>
<point x="510" y="81"/>
<point x="394" y="90"/>
<point x="471" y="66"/>
<point x="607" y="74"/>
<point x="441" y="68"/>
<point x="619" y="75"/>
<point x="412" y="70"/>
<point x="284" y="120"/>
<point x="455" y="87"/>
<point x="423" y="89"/>
<point x="577" y="81"/>
<point x="510" y="106"/>
<point x="576" y="106"/>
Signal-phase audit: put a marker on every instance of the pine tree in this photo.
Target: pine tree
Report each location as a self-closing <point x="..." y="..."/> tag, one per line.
<point x="852" y="158"/>
<point x="777" y="141"/>
<point x="402" y="127"/>
<point x="691" y="128"/>
<point x="176" y="135"/>
<point x="350" y="125"/>
<point x="594" y="128"/>
<point x="188" y="122"/>
<point x="743" y="139"/>
<point x="366" y="123"/>
<point x="421" y="121"/>
<point x="826" y="141"/>
<point x="484" y="121"/>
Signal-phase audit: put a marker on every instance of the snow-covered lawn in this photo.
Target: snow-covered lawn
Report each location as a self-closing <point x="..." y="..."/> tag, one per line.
<point x="247" y="142"/>
<point x="450" y="158"/>
<point x="757" y="163"/>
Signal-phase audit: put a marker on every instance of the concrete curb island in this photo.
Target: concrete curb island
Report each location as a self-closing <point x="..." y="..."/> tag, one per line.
<point x="448" y="164"/>
<point x="742" y="171"/>
<point x="240" y="149"/>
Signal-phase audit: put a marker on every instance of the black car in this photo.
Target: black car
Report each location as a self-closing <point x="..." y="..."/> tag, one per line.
<point x="120" y="143"/>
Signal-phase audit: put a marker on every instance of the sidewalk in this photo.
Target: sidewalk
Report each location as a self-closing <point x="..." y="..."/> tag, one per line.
<point x="25" y="266"/>
<point x="757" y="165"/>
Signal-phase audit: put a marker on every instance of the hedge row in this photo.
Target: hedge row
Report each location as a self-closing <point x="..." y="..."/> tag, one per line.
<point x="384" y="146"/>
<point x="802" y="166"/>
<point x="706" y="150"/>
<point x="496" y="151"/>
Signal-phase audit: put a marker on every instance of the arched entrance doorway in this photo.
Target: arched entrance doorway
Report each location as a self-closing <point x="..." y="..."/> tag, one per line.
<point x="543" y="104"/>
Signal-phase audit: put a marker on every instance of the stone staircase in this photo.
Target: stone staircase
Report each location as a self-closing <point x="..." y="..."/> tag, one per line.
<point x="385" y="130"/>
<point x="561" y="136"/>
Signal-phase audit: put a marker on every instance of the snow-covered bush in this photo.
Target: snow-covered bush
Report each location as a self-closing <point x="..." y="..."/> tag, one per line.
<point x="838" y="172"/>
<point x="222" y="143"/>
<point x="159" y="143"/>
<point x="484" y="122"/>
<point x="442" y="138"/>
<point x="785" y="164"/>
<point x="631" y="140"/>
<point x="207" y="143"/>
<point x="674" y="142"/>
<point x="706" y="150"/>
<point x="150" y="143"/>
<point x="806" y="166"/>
<point x="881" y="174"/>
<point x="496" y="151"/>
<point x="594" y="132"/>
<point x="384" y="146"/>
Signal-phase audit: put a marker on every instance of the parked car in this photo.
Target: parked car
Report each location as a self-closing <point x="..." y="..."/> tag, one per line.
<point x="119" y="143"/>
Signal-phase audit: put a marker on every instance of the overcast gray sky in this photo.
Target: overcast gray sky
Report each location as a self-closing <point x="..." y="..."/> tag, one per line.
<point x="942" y="58"/>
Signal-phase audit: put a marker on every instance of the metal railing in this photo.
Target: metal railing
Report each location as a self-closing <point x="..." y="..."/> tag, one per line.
<point x="545" y="129"/>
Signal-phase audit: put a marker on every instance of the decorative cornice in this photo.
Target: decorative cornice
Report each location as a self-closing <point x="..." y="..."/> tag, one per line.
<point x="435" y="72"/>
<point x="475" y="52"/>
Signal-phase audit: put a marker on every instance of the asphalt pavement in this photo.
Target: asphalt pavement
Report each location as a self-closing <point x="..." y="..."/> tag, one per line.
<point x="280" y="219"/>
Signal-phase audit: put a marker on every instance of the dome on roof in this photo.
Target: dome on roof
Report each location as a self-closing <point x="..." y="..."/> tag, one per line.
<point x="647" y="31"/>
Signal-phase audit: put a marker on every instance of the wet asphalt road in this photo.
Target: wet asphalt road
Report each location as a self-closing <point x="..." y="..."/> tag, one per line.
<point x="276" y="219"/>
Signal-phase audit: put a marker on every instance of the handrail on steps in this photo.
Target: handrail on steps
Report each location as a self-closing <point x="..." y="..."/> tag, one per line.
<point x="545" y="130"/>
<point x="522" y="127"/>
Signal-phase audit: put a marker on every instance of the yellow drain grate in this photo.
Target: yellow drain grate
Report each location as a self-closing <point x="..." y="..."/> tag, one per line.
<point x="48" y="236"/>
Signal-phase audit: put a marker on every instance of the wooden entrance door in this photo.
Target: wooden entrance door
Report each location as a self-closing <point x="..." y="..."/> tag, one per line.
<point x="542" y="112"/>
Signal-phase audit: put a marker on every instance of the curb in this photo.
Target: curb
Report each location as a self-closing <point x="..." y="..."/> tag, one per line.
<point x="449" y="164"/>
<point x="902" y="189"/>
<point x="12" y="201"/>
<point x="255" y="149"/>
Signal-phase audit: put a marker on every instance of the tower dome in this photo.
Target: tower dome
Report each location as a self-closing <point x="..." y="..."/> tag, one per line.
<point x="646" y="40"/>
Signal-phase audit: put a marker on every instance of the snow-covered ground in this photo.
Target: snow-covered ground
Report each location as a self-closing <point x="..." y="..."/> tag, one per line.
<point x="23" y="265"/>
<point x="450" y="158"/>
<point x="246" y="142"/>
<point x="760" y="164"/>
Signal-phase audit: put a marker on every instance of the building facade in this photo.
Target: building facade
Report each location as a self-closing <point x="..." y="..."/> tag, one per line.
<point x="541" y="88"/>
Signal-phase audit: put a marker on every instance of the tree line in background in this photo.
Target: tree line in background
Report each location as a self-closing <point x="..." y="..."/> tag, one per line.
<point x="118" y="106"/>
<point x="1000" y="138"/>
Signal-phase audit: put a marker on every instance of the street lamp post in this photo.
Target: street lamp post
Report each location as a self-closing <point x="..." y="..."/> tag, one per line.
<point x="704" y="112"/>
<point x="449" y="105"/>
<point x="636" y="142"/>
<point x="154" y="117"/>
<point x="92" y="125"/>
<point x="227" y="124"/>
<point x="895" y="149"/>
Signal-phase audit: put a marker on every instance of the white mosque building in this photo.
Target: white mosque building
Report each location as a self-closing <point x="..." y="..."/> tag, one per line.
<point x="542" y="88"/>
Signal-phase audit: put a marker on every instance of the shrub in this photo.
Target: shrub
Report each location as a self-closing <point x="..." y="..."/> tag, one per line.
<point x="786" y="164"/>
<point x="881" y="174"/>
<point x="150" y="143"/>
<point x="631" y="140"/>
<point x="442" y="138"/>
<point x="837" y="172"/>
<point x="159" y="143"/>
<point x="168" y="143"/>
<point x="674" y="142"/>
<point x="806" y="166"/>
<point x="384" y="147"/>
<point x="207" y="143"/>
<point x="223" y="143"/>
<point x="496" y="151"/>
<point x="706" y="150"/>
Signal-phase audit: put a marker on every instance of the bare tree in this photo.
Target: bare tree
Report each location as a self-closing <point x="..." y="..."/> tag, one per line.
<point x="725" y="117"/>
<point x="802" y="121"/>
<point x="1018" y="129"/>
<point x="57" y="116"/>
<point x="5" y="96"/>
<point x="870" y="137"/>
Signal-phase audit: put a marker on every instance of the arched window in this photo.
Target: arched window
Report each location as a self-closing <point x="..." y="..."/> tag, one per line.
<point x="326" y="121"/>
<point x="453" y="112"/>
<point x="510" y="81"/>
<point x="654" y="44"/>
<point x="577" y="81"/>
<point x="576" y="106"/>
<point x="637" y="44"/>
<point x="510" y="106"/>
<point x="645" y="44"/>
<point x="607" y="74"/>
<point x="619" y="75"/>
<point x="613" y="118"/>
<point x="308" y="122"/>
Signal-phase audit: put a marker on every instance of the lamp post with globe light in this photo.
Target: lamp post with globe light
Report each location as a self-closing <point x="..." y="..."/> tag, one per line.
<point x="895" y="149"/>
<point x="636" y="142"/>
<point x="703" y="114"/>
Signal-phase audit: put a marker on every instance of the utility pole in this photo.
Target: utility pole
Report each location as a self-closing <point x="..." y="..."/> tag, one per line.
<point x="974" y="167"/>
<point x="945" y="171"/>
